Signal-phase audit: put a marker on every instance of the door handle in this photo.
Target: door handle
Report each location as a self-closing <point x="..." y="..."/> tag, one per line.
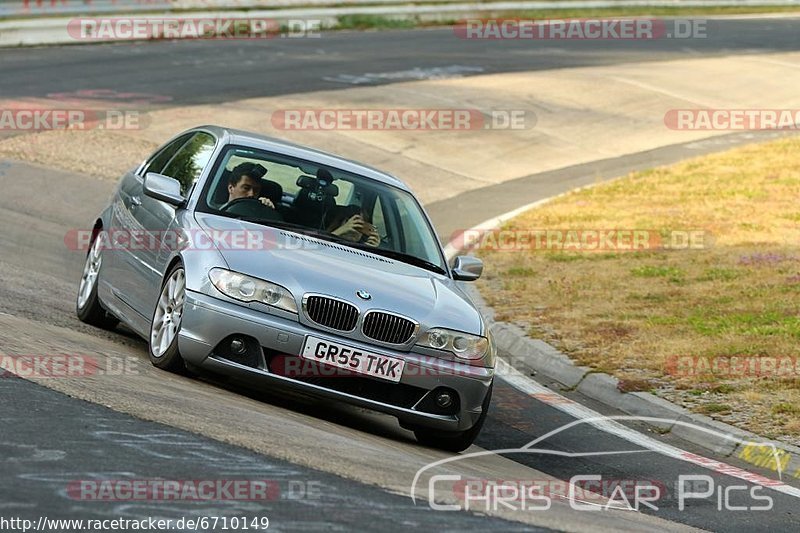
<point x="136" y="201"/>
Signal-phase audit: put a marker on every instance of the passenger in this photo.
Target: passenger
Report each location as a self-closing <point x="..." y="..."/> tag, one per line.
<point x="245" y="182"/>
<point x="352" y="224"/>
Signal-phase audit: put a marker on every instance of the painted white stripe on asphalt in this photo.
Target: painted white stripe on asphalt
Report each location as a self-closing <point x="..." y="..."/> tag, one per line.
<point x="583" y="414"/>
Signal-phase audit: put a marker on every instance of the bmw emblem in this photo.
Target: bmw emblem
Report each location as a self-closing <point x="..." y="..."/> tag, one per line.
<point x="364" y="295"/>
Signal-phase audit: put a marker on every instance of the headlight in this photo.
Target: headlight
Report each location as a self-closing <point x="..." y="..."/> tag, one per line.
<point x="462" y="345"/>
<point x="247" y="289"/>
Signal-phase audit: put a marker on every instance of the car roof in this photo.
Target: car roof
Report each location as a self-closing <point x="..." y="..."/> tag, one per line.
<point x="271" y="144"/>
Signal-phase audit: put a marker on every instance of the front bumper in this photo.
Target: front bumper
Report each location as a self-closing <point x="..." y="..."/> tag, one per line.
<point x="208" y="321"/>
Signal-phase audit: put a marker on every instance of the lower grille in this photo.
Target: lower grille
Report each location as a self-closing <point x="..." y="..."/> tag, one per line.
<point x="334" y="314"/>
<point x="386" y="327"/>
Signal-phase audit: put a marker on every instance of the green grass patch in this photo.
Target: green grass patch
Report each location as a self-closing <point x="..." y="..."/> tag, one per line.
<point x="764" y="324"/>
<point x="520" y="272"/>
<point x="714" y="408"/>
<point x="719" y="274"/>
<point x="724" y="388"/>
<point x="784" y="408"/>
<point x="373" y="22"/>
<point x="650" y="271"/>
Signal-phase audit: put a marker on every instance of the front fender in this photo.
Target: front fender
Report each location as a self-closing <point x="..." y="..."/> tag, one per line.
<point x="197" y="260"/>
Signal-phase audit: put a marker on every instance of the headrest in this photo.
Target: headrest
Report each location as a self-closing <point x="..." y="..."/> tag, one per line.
<point x="272" y="190"/>
<point x="254" y="170"/>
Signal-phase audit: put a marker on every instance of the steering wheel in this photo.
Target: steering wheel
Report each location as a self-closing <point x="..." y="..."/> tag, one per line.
<point x="239" y="201"/>
<point x="250" y="207"/>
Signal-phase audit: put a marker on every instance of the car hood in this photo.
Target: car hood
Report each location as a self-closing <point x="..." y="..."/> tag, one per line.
<point x="305" y="264"/>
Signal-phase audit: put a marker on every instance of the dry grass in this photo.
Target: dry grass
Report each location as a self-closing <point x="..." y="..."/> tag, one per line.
<point x="629" y="313"/>
<point x="97" y="153"/>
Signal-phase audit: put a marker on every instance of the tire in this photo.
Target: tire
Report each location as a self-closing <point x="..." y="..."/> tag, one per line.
<point x="454" y="441"/>
<point x="87" y="304"/>
<point x="165" y="326"/>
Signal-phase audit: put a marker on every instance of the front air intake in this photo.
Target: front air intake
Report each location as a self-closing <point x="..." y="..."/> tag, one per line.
<point x="389" y="328"/>
<point x="331" y="313"/>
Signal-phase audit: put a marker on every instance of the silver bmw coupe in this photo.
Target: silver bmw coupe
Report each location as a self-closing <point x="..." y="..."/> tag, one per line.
<point x="292" y="269"/>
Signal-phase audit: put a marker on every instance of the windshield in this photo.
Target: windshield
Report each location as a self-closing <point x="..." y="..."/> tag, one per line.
<point x="333" y="204"/>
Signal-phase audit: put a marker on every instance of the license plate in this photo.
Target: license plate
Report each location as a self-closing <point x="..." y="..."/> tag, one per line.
<point x="352" y="359"/>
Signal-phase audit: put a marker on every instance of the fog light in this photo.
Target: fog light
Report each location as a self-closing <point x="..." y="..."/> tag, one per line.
<point x="238" y="347"/>
<point x="444" y="399"/>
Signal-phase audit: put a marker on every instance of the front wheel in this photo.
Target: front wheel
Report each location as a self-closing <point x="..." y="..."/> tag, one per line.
<point x="87" y="305"/>
<point x="166" y="323"/>
<point x="454" y="441"/>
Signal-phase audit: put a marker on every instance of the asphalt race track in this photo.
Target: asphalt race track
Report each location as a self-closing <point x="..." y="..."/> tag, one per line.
<point x="359" y="465"/>
<point x="212" y="71"/>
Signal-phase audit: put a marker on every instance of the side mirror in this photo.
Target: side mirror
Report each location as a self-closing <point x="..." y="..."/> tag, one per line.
<point x="467" y="268"/>
<point x="163" y="188"/>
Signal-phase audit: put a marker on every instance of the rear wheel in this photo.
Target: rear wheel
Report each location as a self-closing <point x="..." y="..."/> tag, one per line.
<point x="87" y="306"/>
<point x="454" y="441"/>
<point x="166" y="323"/>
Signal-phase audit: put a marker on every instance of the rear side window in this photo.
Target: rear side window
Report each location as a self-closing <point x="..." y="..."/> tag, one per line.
<point x="160" y="160"/>
<point x="188" y="163"/>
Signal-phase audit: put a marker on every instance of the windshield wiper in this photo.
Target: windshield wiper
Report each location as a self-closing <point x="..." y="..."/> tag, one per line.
<point x="408" y="258"/>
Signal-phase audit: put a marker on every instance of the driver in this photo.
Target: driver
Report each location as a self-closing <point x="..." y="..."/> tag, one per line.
<point x="245" y="182"/>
